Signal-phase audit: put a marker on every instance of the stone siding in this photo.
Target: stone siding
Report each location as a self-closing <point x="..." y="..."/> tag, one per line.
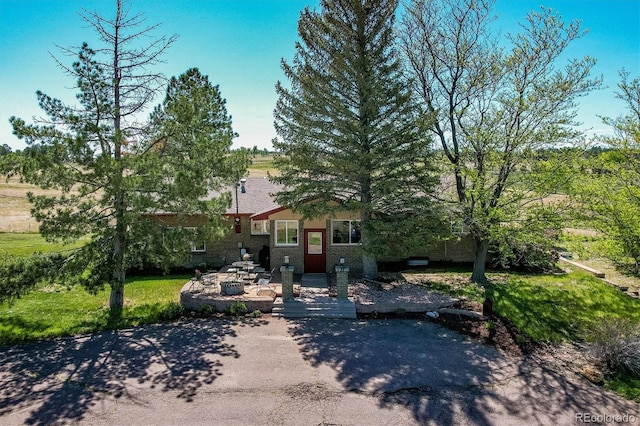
<point x="228" y="246"/>
<point x="352" y="257"/>
<point x="227" y="249"/>
<point x="295" y="253"/>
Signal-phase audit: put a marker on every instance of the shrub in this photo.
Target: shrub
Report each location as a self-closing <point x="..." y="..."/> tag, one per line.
<point x="617" y="343"/>
<point x="237" y="308"/>
<point x="207" y="310"/>
<point x="256" y="314"/>
<point x="171" y="311"/>
<point x="524" y="256"/>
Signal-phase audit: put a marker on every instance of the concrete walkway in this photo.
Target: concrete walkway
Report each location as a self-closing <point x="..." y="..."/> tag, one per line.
<point x="278" y="372"/>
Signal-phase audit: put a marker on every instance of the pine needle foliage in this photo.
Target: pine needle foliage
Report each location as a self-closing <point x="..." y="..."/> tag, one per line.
<point x="350" y="135"/>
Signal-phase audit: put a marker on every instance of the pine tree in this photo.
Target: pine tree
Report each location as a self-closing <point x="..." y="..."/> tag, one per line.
<point x="109" y="169"/>
<point x="348" y="128"/>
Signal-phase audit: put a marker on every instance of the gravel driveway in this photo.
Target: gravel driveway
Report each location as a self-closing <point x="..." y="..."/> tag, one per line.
<point x="276" y="372"/>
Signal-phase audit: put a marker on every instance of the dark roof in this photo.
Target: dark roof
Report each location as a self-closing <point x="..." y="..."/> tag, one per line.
<point x="257" y="198"/>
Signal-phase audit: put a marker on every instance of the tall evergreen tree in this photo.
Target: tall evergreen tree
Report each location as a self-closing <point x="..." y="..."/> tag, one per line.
<point x="108" y="167"/>
<point x="348" y="128"/>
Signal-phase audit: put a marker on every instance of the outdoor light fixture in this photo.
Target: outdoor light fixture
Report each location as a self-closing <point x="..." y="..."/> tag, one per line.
<point x="242" y="187"/>
<point x="341" y="260"/>
<point x="286" y="260"/>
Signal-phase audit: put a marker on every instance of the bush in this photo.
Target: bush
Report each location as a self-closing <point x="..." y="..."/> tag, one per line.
<point x="237" y="308"/>
<point x="524" y="256"/>
<point x="256" y="314"/>
<point x="207" y="310"/>
<point x="171" y="311"/>
<point x="617" y="343"/>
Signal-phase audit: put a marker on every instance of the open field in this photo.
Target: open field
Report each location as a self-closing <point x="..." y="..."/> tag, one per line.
<point x="15" y="209"/>
<point x="261" y="166"/>
<point x="583" y="246"/>
<point x="25" y="244"/>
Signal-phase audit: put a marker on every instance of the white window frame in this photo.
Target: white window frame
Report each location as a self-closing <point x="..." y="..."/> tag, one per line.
<point x="350" y="228"/>
<point x="286" y="230"/>
<point x="200" y="247"/>
<point x="263" y="225"/>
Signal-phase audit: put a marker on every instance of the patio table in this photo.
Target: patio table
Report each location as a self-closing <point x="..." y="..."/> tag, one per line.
<point x="246" y="266"/>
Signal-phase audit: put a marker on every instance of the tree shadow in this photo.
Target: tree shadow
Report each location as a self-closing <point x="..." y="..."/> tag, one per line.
<point x="441" y="376"/>
<point x="64" y="378"/>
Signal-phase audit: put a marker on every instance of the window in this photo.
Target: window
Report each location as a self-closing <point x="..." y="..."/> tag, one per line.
<point x="196" y="246"/>
<point x="345" y="231"/>
<point x="287" y="232"/>
<point x="200" y="247"/>
<point x="259" y="227"/>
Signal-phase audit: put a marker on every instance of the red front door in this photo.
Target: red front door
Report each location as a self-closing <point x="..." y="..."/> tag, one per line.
<point x="315" y="255"/>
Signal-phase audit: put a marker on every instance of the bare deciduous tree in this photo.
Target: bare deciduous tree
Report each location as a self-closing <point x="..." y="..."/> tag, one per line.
<point x="493" y="108"/>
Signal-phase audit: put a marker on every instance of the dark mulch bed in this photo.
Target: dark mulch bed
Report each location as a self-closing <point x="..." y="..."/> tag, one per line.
<point x="497" y="331"/>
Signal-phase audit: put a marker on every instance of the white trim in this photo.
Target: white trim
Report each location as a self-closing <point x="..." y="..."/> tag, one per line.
<point x="286" y="235"/>
<point x="259" y="227"/>
<point x="349" y="232"/>
<point x="195" y="249"/>
<point x="192" y="245"/>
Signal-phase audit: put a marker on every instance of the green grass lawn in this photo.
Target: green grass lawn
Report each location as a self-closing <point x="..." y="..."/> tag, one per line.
<point x="22" y="244"/>
<point x="556" y="308"/>
<point x="547" y="308"/>
<point x="50" y="312"/>
<point x="553" y="308"/>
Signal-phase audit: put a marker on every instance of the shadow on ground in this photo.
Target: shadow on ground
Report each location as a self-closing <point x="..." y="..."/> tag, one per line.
<point x="444" y="378"/>
<point x="64" y="378"/>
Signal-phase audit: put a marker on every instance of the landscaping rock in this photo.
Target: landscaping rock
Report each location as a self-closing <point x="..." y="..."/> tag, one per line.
<point x="592" y="374"/>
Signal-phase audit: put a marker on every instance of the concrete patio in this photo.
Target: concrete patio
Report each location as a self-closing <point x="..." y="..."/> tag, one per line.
<point x="206" y="291"/>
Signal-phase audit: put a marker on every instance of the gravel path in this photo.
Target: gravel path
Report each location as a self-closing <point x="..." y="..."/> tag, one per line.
<point x="385" y="297"/>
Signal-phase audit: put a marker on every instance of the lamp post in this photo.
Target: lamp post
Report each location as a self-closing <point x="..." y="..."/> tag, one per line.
<point x="237" y="205"/>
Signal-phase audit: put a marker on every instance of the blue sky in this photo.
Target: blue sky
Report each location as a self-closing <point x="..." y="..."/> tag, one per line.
<point x="239" y="45"/>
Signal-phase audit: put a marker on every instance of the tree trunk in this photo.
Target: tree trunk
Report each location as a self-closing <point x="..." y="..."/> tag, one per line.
<point x="369" y="266"/>
<point x="116" y="299"/>
<point x="481" y="248"/>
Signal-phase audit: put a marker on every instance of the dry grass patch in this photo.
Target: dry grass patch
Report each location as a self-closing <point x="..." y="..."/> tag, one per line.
<point x="15" y="209"/>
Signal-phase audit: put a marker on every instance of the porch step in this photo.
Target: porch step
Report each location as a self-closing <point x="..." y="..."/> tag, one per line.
<point x="314" y="307"/>
<point x="314" y="280"/>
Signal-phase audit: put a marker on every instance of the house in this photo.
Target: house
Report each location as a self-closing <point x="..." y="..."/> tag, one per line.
<point x="269" y="232"/>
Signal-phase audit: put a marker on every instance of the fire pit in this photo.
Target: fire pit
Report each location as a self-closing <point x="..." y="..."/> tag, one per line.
<point x="230" y="288"/>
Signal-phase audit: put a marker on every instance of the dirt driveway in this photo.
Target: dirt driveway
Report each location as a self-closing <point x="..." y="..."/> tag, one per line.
<point x="277" y="372"/>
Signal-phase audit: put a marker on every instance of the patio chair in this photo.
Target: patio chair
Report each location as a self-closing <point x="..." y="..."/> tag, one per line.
<point x="257" y="271"/>
<point x="264" y="279"/>
<point x="209" y="280"/>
